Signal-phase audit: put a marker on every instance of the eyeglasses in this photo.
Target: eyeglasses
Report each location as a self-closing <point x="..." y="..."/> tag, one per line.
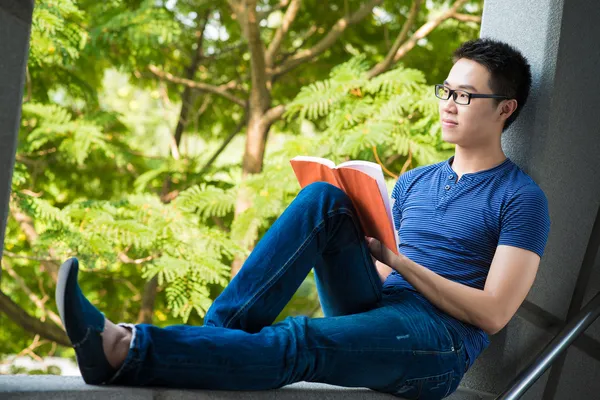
<point x="462" y="97"/>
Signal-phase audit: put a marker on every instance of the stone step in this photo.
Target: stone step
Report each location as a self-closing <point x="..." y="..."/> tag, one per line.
<point x="52" y="387"/>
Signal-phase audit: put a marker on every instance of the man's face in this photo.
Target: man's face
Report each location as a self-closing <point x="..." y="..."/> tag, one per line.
<point x="476" y="124"/>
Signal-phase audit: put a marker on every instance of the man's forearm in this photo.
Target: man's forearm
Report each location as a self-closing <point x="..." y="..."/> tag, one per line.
<point x="383" y="270"/>
<point x="465" y="303"/>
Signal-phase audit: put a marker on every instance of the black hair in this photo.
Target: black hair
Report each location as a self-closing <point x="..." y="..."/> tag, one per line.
<point x="509" y="69"/>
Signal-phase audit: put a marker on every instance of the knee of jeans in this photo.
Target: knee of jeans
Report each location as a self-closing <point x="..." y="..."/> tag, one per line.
<point x="324" y="190"/>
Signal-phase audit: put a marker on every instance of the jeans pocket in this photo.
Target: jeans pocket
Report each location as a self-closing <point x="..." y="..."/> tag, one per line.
<point x="427" y="388"/>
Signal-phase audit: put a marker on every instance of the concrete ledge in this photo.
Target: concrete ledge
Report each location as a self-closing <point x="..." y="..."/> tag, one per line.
<point x="50" y="387"/>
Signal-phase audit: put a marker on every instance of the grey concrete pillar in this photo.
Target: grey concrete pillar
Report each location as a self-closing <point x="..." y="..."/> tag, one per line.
<point x="15" y="24"/>
<point x="556" y="141"/>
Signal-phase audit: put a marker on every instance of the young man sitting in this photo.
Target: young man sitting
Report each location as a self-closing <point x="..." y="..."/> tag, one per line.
<point x="472" y="231"/>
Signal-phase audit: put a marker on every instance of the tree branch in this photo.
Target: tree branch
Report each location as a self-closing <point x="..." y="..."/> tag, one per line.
<point x="10" y="254"/>
<point x="259" y="95"/>
<point x="280" y="33"/>
<point x="218" y="90"/>
<point x="389" y="58"/>
<point x="224" y="51"/>
<point x="190" y="74"/>
<point x="46" y="330"/>
<point x="28" y="84"/>
<point x="305" y="36"/>
<point x="237" y="129"/>
<point x="467" y="18"/>
<point x="329" y="40"/>
<point x="264" y="14"/>
<point x="427" y="28"/>
<point x="273" y="114"/>
<point x="32" y="296"/>
<point x="186" y="100"/>
<point x="29" y="350"/>
<point x="26" y="224"/>
<point x="125" y="259"/>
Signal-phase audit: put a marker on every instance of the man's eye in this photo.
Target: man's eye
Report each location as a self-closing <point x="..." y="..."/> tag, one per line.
<point x="463" y="95"/>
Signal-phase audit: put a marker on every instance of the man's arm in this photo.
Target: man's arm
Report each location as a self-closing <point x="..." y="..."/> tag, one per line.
<point x="383" y="270"/>
<point x="511" y="276"/>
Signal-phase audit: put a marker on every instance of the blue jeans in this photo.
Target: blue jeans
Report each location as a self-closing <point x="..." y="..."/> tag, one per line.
<point x="389" y="341"/>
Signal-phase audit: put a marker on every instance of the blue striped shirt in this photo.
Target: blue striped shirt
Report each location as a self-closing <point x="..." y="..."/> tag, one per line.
<point x="453" y="227"/>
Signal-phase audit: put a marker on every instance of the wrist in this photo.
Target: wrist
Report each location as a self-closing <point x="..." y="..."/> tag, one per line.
<point x="399" y="262"/>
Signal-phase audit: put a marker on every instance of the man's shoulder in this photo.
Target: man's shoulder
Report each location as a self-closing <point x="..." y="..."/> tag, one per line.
<point x="522" y="183"/>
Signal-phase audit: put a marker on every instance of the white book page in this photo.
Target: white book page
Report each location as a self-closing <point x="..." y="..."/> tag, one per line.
<point x="375" y="171"/>
<point x="396" y="234"/>
<point x="370" y="168"/>
<point x="319" y="160"/>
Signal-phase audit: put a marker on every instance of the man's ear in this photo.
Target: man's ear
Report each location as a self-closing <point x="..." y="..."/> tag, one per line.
<point x="508" y="107"/>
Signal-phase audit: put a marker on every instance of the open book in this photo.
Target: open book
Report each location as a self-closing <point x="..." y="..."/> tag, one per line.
<point x="363" y="182"/>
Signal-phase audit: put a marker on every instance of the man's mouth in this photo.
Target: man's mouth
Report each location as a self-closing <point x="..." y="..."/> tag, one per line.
<point x="449" y="122"/>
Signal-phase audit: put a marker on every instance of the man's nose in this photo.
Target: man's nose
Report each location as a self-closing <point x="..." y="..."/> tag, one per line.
<point x="449" y="105"/>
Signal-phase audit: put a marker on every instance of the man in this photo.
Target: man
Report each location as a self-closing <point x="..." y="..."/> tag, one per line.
<point x="472" y="231"/>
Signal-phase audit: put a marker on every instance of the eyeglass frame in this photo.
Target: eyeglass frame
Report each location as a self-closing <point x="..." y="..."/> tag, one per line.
<point x="452" y="93"/>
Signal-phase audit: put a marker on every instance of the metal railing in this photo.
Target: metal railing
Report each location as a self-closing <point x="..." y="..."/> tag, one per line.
<point x="574" y="328"/>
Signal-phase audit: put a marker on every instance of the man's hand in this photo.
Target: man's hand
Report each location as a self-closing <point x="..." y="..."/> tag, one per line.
<point x="381" y="253"/>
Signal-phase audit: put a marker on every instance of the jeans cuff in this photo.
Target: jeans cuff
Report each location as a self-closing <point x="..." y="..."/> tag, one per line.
<point x="130" y="360"/>
<point x="133" y="331"/>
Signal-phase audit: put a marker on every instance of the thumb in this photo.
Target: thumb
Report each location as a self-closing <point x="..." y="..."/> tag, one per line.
<point x="372" y="243"/>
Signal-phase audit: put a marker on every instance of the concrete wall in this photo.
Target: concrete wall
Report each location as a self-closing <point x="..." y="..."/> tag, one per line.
<point x="556" y="141"/>
<point x="15" y="22"/>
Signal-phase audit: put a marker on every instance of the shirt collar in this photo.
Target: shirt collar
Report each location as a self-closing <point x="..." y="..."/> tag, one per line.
<point x="479" y="174"/>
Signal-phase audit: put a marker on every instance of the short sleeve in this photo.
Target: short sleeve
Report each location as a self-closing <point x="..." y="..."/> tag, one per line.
<point x="525" y="220"/>
<point x="398" y="194"/>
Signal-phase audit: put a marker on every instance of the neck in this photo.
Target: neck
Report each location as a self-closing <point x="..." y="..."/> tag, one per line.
<point x="470" y="160"/>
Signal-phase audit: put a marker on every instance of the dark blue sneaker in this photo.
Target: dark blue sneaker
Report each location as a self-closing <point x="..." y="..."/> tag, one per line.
<point x="83" y="323"/>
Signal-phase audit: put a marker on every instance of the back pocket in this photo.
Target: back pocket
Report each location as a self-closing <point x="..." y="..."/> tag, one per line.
<point x="428" y="388"/>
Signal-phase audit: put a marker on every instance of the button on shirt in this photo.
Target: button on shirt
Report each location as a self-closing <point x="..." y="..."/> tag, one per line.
<point x="454" y="227"/>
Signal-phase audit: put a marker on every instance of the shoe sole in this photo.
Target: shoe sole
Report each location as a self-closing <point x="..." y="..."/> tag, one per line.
<point x="61" y="285"/>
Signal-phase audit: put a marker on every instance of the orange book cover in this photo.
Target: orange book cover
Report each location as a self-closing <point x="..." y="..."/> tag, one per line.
<point x="363" y="182"/>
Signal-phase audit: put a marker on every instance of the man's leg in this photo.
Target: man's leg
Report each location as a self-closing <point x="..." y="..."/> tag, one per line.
<point x="319" y="229"/>
<point x="397" y="348"/>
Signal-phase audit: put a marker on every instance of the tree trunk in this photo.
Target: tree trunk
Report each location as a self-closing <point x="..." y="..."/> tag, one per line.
<point x="148" y="298"/>
<point x="259" y="102"/>
<point x="256" y="139"/>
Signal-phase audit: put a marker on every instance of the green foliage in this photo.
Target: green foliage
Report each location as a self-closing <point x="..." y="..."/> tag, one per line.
<point x="94" y="150"/>
<point x="53" y="126"/>
<point x="56" y="34"/>
<point x="395" y="112"/>
<point x="132" y="33"/>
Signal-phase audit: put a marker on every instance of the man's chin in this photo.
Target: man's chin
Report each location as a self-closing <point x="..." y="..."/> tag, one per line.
<point x="450" y="137"/>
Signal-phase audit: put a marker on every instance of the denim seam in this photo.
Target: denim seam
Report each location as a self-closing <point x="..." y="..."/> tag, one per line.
<point x="389" y="349"/>
<point x="259" y="368"/>
<point x="393" y="350"/>
<point x="420" y="381"/>
<point x="276" y="275"/>
<point x="373" y="284"/>
<point x="433" y="352"/>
